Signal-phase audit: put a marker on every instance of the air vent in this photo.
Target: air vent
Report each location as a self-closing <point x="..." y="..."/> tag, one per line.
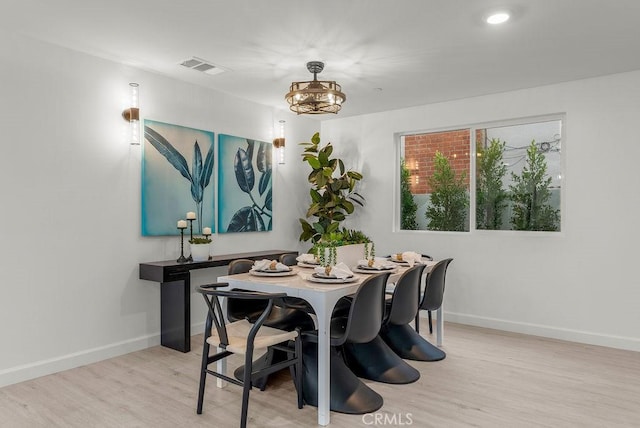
<point x="198" y="64"/>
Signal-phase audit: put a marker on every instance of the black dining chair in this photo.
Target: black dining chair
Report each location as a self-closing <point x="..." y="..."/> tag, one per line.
<point x="376" y="360"/>
<point x="243" y="338"/>
<point x="280" y="316"/>
<point x="434" y="291"/>
<point x="406" y="341"/>
<point x="348" y="393"/>
<point x="290" y="259"/>
<point x="283" y="317"/>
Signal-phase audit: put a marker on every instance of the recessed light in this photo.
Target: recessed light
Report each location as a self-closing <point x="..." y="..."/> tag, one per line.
<point x="497" y="18"/>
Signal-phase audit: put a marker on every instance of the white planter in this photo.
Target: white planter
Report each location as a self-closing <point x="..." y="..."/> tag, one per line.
<point x="200" y="252"/>
<point x="350" y="254"/>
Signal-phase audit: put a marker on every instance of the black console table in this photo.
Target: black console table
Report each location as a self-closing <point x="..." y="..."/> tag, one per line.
<point x="175" y="294"/>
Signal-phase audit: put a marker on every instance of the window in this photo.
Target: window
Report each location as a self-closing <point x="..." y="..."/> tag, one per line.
<point x="517" y="177"/>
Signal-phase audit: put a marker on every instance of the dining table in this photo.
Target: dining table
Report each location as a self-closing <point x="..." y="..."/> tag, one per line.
<point x="322" y="296"/>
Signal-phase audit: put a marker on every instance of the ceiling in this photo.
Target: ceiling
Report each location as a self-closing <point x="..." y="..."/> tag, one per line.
<point x="385" y="54"/>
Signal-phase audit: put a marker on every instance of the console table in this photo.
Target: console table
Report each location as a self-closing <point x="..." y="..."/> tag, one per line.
<point x="175" y="292"/>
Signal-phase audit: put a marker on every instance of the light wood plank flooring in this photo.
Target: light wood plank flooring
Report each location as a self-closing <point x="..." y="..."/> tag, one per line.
<point x="489" y="379"/>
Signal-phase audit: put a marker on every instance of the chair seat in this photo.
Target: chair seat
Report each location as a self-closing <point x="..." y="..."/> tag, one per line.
<point x="238" y="331"/>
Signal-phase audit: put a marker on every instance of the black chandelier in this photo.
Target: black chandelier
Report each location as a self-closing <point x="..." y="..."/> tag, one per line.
<point x="316" y="96"/>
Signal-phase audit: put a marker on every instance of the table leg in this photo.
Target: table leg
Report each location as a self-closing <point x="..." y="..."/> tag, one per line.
<point x="439" y="326"/>
<point x="175" y="315"/>
<point x="324" y="369"/>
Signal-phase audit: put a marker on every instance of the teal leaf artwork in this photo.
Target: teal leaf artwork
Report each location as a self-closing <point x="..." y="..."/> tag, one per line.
<point x="244" y="206"/>
<point x="244" y="171"/>
<point x="176" y="178"/>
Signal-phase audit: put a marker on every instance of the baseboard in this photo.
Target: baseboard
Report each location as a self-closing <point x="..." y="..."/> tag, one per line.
<point x="586" y="337"/>
<point x="45" y="367"/>
<point x="65" y="362"/>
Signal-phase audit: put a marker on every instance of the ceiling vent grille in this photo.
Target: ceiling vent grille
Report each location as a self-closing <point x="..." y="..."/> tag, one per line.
<point x="198" y="64"/>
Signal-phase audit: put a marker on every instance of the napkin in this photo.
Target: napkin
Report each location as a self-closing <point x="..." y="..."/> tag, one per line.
<point x="307" y="258"/>
<point x="340" y="270"/>
<point x="411" y="258"/>
<point x="270" y="265"/>
<point x="378" y="263"/>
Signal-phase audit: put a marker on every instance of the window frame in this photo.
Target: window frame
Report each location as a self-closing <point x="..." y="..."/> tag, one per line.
<point x="398" y="138"/>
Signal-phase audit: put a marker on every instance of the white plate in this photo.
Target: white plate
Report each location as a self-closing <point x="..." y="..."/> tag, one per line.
<point x="332" y="280"/>
<point x="403" y="263"/>
<point x="308" y="265"/>
<point x="381" y="268"/>
<point x="272" y="273"/>
<point x="370" y="271"/>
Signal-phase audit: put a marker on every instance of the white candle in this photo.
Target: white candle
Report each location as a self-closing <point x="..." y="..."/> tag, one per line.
<point x="191" y="215"/>
<point x="182" y="224"/>
<point x="206" y="231"/>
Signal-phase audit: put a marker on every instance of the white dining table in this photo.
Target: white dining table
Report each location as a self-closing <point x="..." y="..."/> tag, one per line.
<point x="323" y="298"/>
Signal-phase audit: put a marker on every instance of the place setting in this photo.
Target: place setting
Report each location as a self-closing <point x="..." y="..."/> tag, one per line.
<point x="273" y="268"/>
<point x="308" y="261"/>
<point x="338" y="274"/>
<point x="375" y="265"/>
<point x="408" y="258"/>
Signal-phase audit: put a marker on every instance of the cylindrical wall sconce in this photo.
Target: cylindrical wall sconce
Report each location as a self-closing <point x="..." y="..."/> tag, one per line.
<point x="278" y="143"/>
<point x="132" y="115"/>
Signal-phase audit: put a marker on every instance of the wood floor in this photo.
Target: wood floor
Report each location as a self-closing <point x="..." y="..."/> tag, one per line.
<point x="489" y="379"/>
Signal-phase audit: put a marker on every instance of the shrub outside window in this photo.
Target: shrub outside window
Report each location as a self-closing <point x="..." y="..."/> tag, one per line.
<point x="435" y="169"/>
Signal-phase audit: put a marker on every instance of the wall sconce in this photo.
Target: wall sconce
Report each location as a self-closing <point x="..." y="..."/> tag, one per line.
<point x="132" y="115"/>
<point x="278" y="144"/>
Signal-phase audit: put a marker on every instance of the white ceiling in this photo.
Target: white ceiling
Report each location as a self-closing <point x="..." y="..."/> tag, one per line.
<point x="385" y="54"/>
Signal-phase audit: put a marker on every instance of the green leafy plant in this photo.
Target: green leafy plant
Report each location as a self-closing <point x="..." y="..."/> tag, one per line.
<point x="200" y="240"/>
<point x="339" y="238"/>
<point x="491" y="197"/>
<point x="531" y="195"/>
<point x="342" y="237"/>
<point x="332" y="193"/>
<point x="408" y="206"/>
<point x="447" y="208"/>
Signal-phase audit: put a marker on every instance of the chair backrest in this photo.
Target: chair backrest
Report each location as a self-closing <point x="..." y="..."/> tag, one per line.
<point x="406" y="297"/>
<point x="366" y="312"/>
<point x="239" y="309"/>
<point x="240" y="266"/>
<point x="290" y="259"/>
<point x="215" y="317"/>
<point x="434" y="288"/>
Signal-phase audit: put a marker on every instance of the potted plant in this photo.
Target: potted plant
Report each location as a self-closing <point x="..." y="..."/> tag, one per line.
<point x="332" y="191"/>
<point x="200" y="249"/>
<point x="333" y="197"/>
<point x="347" y="246"/>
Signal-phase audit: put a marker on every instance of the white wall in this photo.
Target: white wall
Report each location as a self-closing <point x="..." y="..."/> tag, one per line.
<point x="70" y="195"/>
<point x="580" y="284"/>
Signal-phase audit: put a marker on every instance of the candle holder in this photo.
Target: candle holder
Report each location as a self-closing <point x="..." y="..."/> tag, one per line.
<point x="190" y="220"/>
<point x="182" y="258"/>
<point x="207" y="236"/>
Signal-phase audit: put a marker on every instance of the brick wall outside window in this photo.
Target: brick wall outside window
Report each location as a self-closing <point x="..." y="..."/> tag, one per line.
<point x="420" y="149"/>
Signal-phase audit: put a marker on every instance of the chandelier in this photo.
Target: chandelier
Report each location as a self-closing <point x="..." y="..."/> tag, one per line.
<point x="316" y="96"/>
